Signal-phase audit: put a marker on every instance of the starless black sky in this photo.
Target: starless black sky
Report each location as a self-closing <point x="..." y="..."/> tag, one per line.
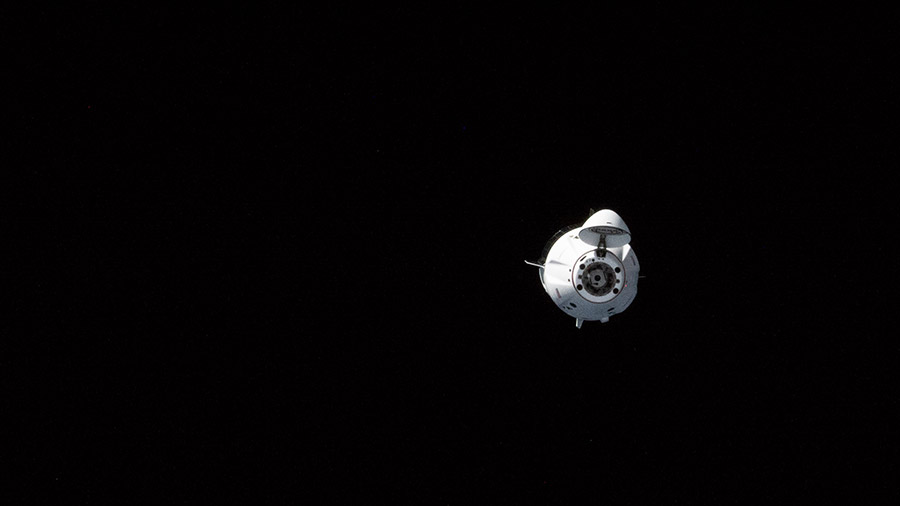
<point x="280" y="255"/>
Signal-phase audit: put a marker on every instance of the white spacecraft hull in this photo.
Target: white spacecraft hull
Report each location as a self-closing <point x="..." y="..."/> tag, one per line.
<point x="591" y="271"/>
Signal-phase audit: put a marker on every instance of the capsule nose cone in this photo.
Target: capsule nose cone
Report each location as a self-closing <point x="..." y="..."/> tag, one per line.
<point x="607" y="217"/>
<point x="606" y="223"/>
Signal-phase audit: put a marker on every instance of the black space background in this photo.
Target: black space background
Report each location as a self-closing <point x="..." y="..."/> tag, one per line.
<point x="276" y="256"/>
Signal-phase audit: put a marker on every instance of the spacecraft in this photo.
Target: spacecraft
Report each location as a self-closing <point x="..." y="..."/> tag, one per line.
<point x="589" y="270"/>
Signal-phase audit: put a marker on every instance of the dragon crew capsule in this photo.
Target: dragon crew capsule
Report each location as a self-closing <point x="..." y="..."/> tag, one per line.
<point x="590" y="271"/>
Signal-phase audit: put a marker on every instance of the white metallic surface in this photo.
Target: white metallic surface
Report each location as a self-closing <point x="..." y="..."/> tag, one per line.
<point x="586" y="280"/>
